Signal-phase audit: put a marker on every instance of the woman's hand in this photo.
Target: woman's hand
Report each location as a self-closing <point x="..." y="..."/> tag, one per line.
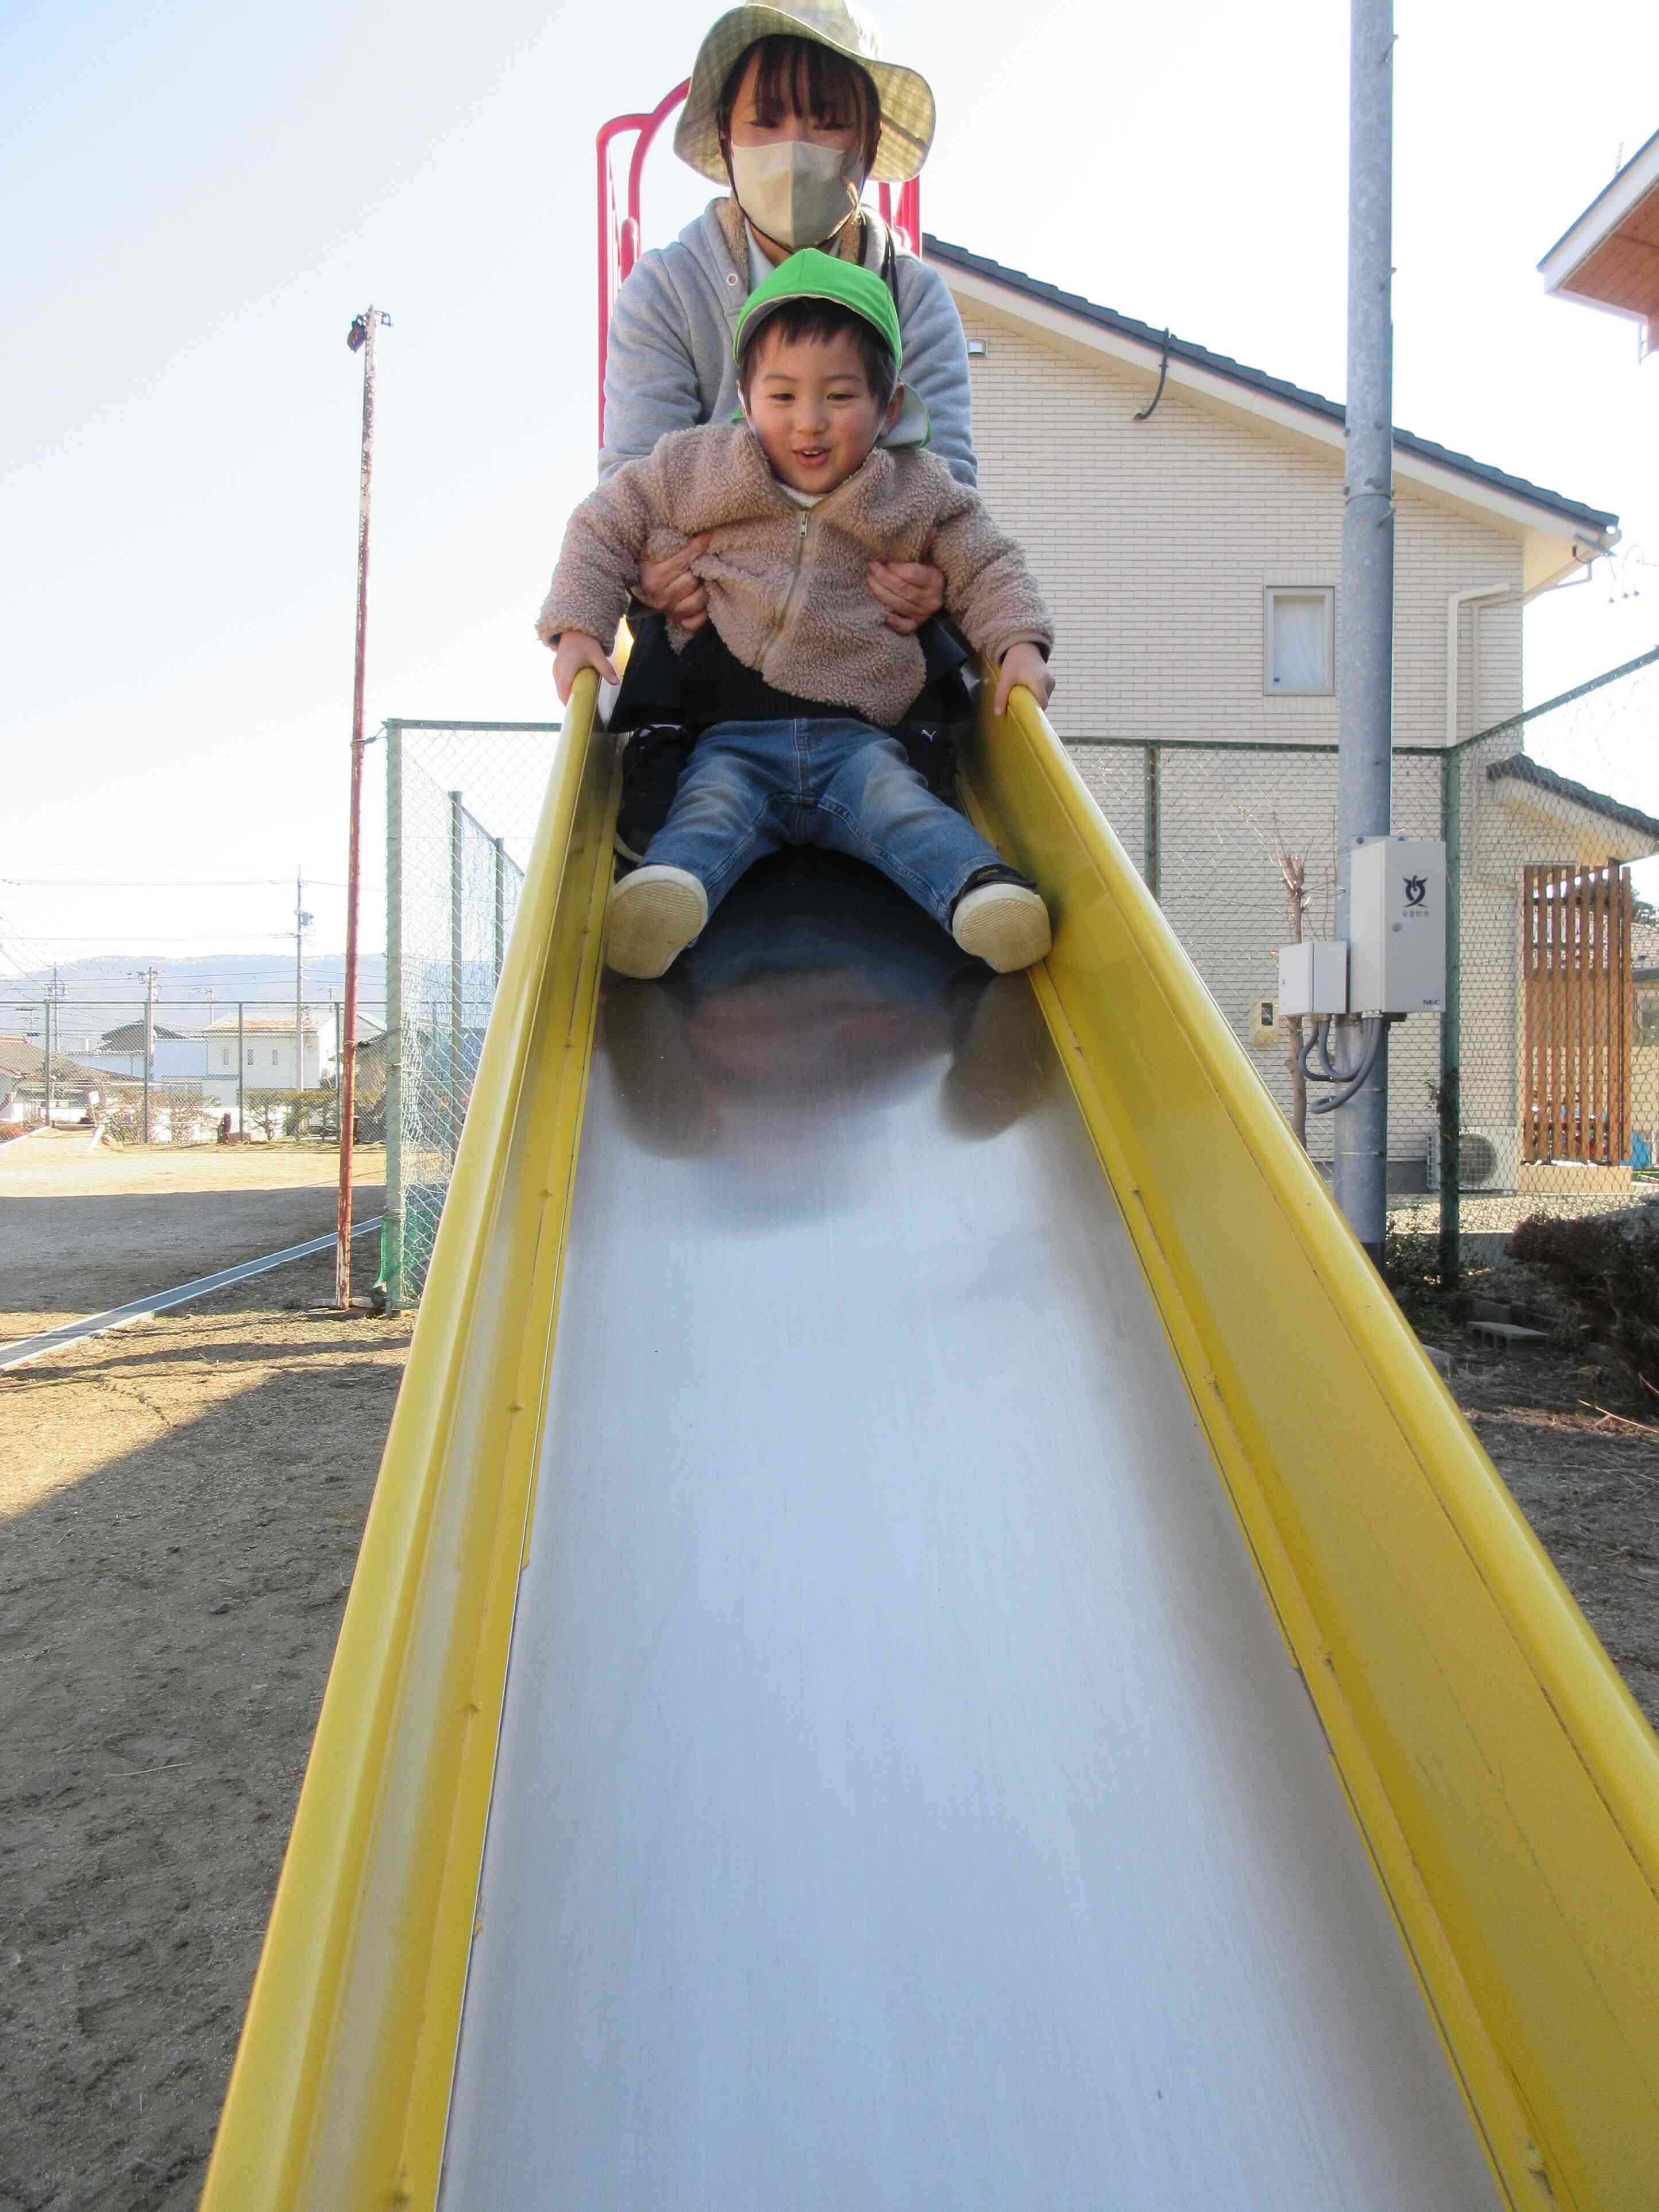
<point x="577" y="650"/>
<point x="1024" y="664"/>
<point x="911" y="591"/>
<point x="670" y="587"/>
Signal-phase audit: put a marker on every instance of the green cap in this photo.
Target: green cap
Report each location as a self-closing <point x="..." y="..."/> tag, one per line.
<point x="809" y="274"/>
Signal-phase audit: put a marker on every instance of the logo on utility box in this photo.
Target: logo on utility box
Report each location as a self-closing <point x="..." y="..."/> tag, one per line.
<point x="1415" y="887"/>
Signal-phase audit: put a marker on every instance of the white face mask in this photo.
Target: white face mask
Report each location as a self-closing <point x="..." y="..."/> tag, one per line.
<point x="797" y="193"/>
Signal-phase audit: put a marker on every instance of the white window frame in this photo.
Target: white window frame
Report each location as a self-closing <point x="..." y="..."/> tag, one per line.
<point x="1270" y="593"/>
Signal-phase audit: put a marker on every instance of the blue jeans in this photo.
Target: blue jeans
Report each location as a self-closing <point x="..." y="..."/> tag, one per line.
<point x="754" y="786"/>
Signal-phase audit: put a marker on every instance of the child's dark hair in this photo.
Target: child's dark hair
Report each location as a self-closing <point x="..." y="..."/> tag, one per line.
<point x="818" y="321"/>
<point x="798" y="77"/>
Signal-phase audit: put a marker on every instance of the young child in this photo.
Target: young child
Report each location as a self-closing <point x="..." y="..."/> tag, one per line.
<point x="795" y="680"/>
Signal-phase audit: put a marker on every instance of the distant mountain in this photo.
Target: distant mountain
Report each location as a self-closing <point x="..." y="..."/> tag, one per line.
<point x="103" y="989"/>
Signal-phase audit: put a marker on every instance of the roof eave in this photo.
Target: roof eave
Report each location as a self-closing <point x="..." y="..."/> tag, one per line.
<point x="1521" y="771"/>
<point x="1588" y="531"/>
<point x="1625" y="190"/>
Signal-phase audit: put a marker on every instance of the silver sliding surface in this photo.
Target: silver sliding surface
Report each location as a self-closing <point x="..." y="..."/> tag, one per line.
<point x="906" y="1802"/>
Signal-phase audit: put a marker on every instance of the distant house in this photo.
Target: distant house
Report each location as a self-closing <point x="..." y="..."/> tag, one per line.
<point x="176" y="1057"/>
<point x="267" y="1056"/>
<point x="76" y="1090"/>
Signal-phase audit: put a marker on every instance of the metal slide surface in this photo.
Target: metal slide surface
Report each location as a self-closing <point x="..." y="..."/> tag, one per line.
<point x="927" y="1636"/>
<point x="903" y="1798"/>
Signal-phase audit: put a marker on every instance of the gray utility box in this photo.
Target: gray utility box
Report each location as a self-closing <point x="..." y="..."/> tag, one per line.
<point x="1397" y="928"/>
<point x="1313" y="978"/>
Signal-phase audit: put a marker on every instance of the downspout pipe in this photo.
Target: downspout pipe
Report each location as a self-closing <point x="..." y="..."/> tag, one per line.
<point x="1451" y="1020"/>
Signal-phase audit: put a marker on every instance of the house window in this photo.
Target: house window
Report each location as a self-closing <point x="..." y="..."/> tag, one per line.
<point x="1298" y="641"/>
<point x="250" y="1056"/>
<point x="273" y="1055"/>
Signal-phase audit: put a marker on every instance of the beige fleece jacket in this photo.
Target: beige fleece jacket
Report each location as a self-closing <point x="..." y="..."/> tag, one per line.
<point x="788" y="587"/>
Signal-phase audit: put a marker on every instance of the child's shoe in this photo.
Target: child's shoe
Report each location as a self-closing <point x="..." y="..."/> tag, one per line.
<point x="655" y="914"/>
<point x="1004" y="924"/>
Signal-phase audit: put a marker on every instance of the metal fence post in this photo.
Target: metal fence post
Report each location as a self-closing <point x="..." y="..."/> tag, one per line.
<point x="391" y="1225"/>
<point x="457" y="892"/>
<point x="241" y="1076"/>
<point x="500" y="844"/>
<point x="339" y="1126"/>
<point x="1451" y="1112"/>
<point x="1154" y="832"/>
<point x="46" y="1041"/>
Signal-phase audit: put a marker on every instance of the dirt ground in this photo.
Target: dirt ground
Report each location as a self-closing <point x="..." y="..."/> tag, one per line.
<point x="181" y="1507"/>
<point x="1579" y="1450"/>
<point x="85" y="1229"/>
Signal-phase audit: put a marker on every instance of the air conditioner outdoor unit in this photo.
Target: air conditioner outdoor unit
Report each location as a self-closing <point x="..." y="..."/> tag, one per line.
<point x="1488" y="1159"/>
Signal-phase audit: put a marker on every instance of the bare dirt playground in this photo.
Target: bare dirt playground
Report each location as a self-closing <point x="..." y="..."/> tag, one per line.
<point x="180" y="1506"/>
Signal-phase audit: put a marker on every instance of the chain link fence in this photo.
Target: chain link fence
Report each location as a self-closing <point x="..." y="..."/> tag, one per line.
<point x="186" y="1070"/>
<point x="1538" y="1092"/>
<point x="462" y="802"/>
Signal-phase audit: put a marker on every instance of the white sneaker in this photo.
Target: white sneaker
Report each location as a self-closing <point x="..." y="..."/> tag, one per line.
<point x="1002" y="924"/>
<point x="655" y="914"/>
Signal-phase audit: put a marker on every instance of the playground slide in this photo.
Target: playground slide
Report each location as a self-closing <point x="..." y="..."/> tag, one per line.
<point x="927" y="1636"/>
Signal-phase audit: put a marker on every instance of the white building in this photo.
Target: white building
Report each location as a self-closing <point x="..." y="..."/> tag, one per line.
<point x="267" y="1056"/>
<point x="1183" y="513"/>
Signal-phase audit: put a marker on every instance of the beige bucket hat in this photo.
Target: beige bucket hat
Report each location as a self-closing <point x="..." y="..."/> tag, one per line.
<point x="907" y="101"/>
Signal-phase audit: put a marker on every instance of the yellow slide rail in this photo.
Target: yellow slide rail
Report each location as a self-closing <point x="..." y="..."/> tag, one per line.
<point x="1506" y="1786"/>
<point x="1505" y="1783"/>
<point x="341" y="2085"/>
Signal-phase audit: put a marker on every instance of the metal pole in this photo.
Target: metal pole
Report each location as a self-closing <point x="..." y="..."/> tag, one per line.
<point x="457" y="833"/>
<point x="1451" y="1115"/>
<point x="360" y="339"/>
<point x="299" y="988"/>
<point x="1365" y="659"/>
<point x="500" y="904"/>
<point x="149" y="1040"/>
<point x="241" y="1076"/>
<point x="391" y="1230"/>
<point x="1153" y="831"/>
<point x="45" y="1053"/>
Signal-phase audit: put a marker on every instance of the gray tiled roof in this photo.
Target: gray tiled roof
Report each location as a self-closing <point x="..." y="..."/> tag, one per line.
<point x="1519" y="768"/>
<point x="1257" y="380"/>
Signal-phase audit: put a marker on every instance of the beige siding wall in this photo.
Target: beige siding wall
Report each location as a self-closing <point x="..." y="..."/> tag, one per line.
<point x="1154" y="541"/>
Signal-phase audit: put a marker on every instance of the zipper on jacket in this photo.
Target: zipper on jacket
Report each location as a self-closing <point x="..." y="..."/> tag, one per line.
<point x="789" y="591"/>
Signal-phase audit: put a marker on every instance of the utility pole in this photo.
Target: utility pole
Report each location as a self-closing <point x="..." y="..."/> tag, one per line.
<point x="361" y="339"/>
<point x="1365" y="610"/>
<point x="147" y="977"/>
<point x="302" y="922"/>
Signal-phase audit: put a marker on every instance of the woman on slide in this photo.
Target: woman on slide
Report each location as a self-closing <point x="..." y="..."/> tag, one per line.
<point x="793" y="108"/>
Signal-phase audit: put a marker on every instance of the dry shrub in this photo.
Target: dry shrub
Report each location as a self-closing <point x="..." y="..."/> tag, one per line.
<point x="1609" y="1268"/>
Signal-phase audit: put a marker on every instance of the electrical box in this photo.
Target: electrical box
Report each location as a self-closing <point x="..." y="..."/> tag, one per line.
<point x="1397" y="926"/>
<point x="1261" y="1027"/>
<point x="1313" y="979"/>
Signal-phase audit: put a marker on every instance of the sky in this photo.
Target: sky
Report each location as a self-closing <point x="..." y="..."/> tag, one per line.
<point x="196" y="198"/>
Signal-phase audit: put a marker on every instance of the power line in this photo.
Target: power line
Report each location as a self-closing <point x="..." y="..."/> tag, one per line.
<point x="162" y="883"/>
<point x="140" y="937"/>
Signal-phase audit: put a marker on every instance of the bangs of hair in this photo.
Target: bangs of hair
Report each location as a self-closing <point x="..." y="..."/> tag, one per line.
<point x="818" y="322"/>
<point x="798" y="77"/>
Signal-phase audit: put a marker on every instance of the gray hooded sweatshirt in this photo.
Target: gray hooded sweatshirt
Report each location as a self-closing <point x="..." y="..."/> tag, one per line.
<point x="669" y="362"/>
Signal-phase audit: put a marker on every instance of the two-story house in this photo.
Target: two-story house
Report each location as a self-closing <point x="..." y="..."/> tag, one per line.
<point x="1184" y="513"/>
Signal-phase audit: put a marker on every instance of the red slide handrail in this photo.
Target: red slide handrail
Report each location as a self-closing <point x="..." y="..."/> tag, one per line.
<point x="619" y="233"/>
